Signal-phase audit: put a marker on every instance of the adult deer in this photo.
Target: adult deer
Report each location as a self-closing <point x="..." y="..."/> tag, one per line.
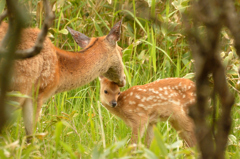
<point x="55" y="70"/>
<point x="141" y="107"/>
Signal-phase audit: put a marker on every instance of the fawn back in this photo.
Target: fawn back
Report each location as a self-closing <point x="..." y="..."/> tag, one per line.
<point x="143" y="106"/>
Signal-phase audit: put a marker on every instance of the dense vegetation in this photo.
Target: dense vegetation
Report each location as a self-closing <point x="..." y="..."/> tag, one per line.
<point x="74" y="124"/>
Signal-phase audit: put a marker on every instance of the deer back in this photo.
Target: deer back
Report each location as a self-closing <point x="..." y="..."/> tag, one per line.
<point x="40" y="68"/>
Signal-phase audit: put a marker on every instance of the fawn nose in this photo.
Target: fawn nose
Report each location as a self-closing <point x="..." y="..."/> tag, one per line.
<point x="114" y="104"/>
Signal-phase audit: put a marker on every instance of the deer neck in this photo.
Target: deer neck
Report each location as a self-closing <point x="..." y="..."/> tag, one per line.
<point x="79" y="68"/>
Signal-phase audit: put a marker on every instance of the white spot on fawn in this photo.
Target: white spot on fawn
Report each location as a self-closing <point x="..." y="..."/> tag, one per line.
<point x="193" y="94"/>
<point x="141" y="114"/>
<point x="132" y="102"/>
<point x="166" y="93"/>
<point x="150" y="89"/>
<point x="137" y="96"/>
<point x="143" y="99"/>
<point x="174" y="102"/>
<point x="141" y="105"/>
<point x="131" y="93"/>
<point x="149" y="98"/>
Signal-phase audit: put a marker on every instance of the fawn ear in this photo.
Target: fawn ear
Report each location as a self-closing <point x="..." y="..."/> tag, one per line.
<point x="114" y="34"/>
<point x="81" y="39"/>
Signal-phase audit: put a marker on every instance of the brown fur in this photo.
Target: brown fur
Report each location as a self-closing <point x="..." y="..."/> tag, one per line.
<point x="55" y="70"/>
<point x="141" y="107"/>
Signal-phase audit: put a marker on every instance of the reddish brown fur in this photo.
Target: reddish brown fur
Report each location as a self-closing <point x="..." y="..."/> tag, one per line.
<point x="141" y="107"/>
<point x="55" y="70"/>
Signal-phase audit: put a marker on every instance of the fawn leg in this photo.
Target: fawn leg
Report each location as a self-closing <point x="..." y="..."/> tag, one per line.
<point x="185" y="126"/>
<point x="149" y="135"/>
<point x="137" y="130"/>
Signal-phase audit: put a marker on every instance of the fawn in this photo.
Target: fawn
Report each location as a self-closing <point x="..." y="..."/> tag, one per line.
<point x="141" y="107"/>
<point x="55" y="70"/>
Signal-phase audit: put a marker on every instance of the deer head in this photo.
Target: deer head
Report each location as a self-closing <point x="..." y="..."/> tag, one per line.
<point x="115" y="69"/>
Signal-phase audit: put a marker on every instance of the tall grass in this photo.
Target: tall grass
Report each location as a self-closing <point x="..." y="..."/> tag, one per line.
<point x="74" y="124"/>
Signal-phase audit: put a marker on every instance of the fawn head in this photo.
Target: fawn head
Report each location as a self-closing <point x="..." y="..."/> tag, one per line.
<point x="115" y="71"/>
<point x="109" y="92"/>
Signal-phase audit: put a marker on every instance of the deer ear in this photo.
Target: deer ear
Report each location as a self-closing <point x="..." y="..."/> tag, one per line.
<point x="114" y="34"/>
<point x="100" y="77"/>
<point x="81" y="39"/>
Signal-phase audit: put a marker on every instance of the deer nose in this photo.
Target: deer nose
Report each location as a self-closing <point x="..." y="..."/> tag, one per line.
<point x="122" y="82"/>
<point x="114" y="104"/>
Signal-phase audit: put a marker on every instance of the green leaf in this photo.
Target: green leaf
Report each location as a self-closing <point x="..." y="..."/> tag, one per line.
<point x="63" y="31"/>
<point x="68" y="149"/>
<point x="160" y="142"/>
<point x="4" y="154"/>
<point x="149" y="154"/>
<point x="161" y="51"/>
<point x="2" y="5"/>
<point x="17" y="94"/>
<point x="138" y="22"/>
<point x="13" y="103"/>
<point x="153" y="51"/>
<point x="58" y="132"/>
<point x="95" y="153"/>
<point x="189" y="75"/>
<point x="81" y="148"/>
<point x="176" y="144"/>
<point x="232" y="140"/>
<point x="100" y="33"/>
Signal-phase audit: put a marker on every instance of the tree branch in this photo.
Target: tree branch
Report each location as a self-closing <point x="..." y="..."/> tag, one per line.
<point x="9" y="44"/>
<point x="207" y="61"/>
<point x="36" y="49"/>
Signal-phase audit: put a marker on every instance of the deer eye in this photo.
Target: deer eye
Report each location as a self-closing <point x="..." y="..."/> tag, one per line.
<point x="105" y="91"/>
<point x="118" y="93"/>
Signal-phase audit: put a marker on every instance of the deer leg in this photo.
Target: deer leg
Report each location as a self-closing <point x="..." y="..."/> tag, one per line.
<point x="27" y="111"/>
<point x="38" y="111"/>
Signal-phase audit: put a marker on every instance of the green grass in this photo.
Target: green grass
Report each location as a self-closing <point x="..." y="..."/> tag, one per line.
<point x="75" y="125"/>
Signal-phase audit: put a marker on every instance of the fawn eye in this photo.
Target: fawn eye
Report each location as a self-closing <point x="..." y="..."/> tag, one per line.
<point x="118" y="93"/>
<point x="105" y="91"/>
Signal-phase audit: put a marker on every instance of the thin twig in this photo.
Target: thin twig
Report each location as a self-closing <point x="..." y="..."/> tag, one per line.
<point x="3" y="16"/>
<point x="11" y="38"/>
